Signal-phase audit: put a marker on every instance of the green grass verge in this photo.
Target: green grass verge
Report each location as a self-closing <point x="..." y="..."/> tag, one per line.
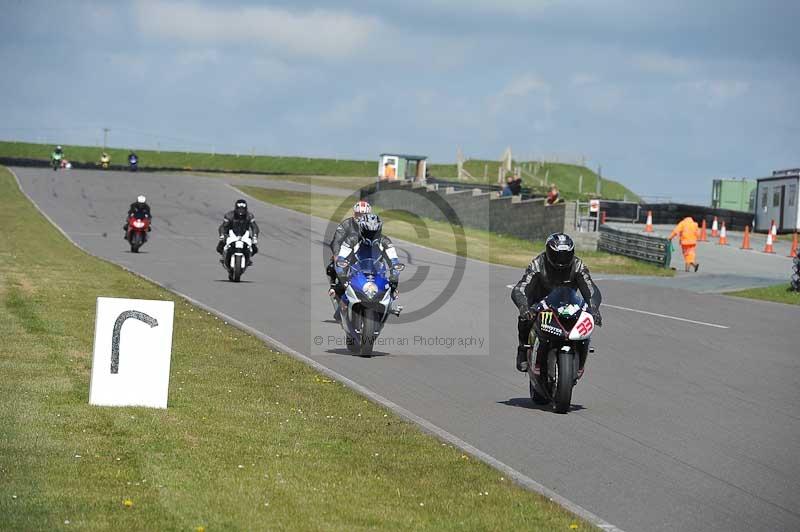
<point x="780" y="293"/>
<point x="252" y="439"/>
<point x="565" y="176"/>
<point x="207" y="161"/>
<point x="482" y="245"/>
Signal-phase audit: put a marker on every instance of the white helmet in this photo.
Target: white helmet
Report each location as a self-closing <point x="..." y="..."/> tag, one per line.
<point x="141" y="199"/>
<point x="361" y="208"/>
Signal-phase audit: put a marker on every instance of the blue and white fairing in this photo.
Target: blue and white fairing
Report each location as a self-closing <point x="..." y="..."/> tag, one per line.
<point x="367" y="277"/>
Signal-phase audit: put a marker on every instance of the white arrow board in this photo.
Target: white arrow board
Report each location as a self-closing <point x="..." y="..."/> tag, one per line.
<point x="132" y="350"/>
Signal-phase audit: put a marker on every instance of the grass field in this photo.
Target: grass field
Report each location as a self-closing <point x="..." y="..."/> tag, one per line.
<point x="566" y="176"/>
<point x="779" y="293"/>
<point x="207" y="161"/>
<point x="252" y="439"/>
<point x="482" y="245"/>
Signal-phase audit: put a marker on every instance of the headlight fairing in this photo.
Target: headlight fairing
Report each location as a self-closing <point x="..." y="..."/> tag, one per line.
<point x="370" y="289"/>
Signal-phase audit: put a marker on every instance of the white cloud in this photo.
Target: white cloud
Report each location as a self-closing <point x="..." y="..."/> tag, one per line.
<point x="523" y="86"/>
<point x="658" y="63"/>
<point x="581" y="79"/>
<point x="346" y="113"/>
<point x="508" y="7"/>
<point x="715" y="93"/>
<point x="523" y="92"/>
<point x="318" y="32"/>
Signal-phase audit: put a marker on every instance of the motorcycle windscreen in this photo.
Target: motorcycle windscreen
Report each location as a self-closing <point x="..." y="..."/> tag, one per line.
<point x="567" y="305"/>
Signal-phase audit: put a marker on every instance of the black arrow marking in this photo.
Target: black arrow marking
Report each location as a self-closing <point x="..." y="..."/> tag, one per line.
<point x="134" y="314"/>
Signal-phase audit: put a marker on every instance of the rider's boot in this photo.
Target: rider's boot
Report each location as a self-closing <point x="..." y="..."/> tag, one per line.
<point x="522" y="358"/>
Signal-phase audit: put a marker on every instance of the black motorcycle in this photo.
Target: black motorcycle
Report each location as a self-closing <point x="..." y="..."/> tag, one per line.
<point x="564" y="324"/>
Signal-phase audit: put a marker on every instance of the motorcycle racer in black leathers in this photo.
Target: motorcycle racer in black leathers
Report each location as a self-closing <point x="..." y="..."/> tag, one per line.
<point x="138" y="206"/>
<point x="239" y="220"/>
<point x="348" y="227"/>
<point x="370" y="234"/>
<point x="557" y="266"/>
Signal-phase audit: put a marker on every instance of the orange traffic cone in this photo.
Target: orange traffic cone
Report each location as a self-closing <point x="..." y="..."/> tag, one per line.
<point x="793" y="252"/>
<point x="723" y="236"/>
<point x="703" y="232"/>
<point x="774" y="230"/>
<point x="746" y="241"/>
<point x="714" y="228"/>
<point x="648" y="227"/>
<point x="768" y="247"/>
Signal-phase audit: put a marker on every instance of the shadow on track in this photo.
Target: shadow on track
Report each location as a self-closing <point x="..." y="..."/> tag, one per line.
<point x="525" y="402"/>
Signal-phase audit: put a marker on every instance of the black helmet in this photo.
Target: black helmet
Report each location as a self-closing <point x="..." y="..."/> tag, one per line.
<point x="560" y="250"/>
<point x="370" y="227"/>
<point x="240" y="212"/>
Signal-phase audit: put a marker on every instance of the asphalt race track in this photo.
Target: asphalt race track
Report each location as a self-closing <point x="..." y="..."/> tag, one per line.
<point x="677" y="425"/>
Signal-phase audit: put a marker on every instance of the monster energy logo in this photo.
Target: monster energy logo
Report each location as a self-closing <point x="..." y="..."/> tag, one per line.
<point x="545" y="319"/>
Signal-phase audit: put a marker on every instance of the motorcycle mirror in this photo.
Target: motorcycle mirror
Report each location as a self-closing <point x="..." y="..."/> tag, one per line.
<point x="399" y="267"/>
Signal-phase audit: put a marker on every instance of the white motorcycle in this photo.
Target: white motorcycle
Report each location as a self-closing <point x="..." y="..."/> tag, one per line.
<point x="236" y="254"/>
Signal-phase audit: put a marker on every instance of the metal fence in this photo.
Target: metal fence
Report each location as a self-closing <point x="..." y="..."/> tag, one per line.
<point x="646" y="248"/>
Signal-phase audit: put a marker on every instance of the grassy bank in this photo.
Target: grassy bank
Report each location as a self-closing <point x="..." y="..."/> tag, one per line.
<point x="482" y="245"/>
<point x="778" y="293"/>
<point x="207" y="161"/>
<point x="251" y="440"/>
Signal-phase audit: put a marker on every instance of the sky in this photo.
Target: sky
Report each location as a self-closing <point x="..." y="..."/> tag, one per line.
<point x="664" y="96"/>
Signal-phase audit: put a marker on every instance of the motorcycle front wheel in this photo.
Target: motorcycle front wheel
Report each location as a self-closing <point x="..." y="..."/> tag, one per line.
<point x="369" y="325"/>
<point x="564" y="381"/>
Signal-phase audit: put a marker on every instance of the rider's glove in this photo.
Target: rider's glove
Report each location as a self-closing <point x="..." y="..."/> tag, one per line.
<point x="255" y="240"/>
<point x="598" y="319"/>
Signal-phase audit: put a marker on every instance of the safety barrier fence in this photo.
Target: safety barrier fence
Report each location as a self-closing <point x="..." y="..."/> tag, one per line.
<point x="642" y="247"/>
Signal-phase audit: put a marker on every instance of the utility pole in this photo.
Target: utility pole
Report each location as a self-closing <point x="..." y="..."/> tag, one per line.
<point x="105" y="137"/>
<point x="599" y="179"/>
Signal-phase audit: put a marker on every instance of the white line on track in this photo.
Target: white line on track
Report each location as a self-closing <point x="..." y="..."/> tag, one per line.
<point x="666" y="316"/>
<point x="656" y="314"/>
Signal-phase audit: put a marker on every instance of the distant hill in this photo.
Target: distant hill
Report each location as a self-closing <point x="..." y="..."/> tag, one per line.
<point x="565" y="176"/>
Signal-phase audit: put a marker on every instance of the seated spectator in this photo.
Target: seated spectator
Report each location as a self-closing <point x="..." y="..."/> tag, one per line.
<point x="516" y="185"/>
<point x="552" y="196"/>
<point x="507" y="187"/>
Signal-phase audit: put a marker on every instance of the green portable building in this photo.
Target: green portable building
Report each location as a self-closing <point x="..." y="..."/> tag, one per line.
<point x="734" y="194"/>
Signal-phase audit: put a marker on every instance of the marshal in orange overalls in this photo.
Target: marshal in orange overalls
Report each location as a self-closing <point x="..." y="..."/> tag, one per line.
<point x="688" y="230"/>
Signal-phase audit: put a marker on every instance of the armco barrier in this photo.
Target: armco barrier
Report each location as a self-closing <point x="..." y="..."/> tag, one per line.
<point x="646" y="248"/>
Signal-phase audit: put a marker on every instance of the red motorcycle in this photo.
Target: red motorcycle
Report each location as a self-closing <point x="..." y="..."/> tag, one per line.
<point x="138" y="227"/>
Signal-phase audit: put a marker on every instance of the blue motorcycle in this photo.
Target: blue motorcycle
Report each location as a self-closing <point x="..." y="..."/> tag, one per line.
<point x="133" y="162"/>
<point x="368" y="299"/>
